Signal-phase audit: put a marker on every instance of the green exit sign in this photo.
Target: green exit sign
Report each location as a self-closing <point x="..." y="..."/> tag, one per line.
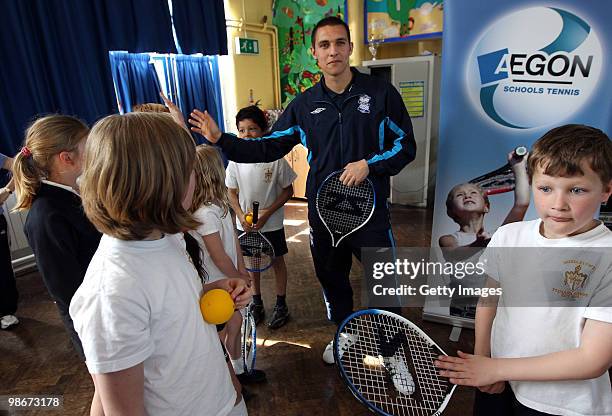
<point x="248" y="46"/>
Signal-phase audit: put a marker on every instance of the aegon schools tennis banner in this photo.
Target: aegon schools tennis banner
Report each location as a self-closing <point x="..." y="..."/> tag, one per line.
<point x="512" y="70"/>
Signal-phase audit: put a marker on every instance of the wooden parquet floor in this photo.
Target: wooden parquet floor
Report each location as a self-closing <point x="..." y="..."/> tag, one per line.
<point x="37" y="358"/>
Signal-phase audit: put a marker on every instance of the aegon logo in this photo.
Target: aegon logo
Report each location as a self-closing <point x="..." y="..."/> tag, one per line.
<point x="534" y="67"/>
<point x="537" y="64"/>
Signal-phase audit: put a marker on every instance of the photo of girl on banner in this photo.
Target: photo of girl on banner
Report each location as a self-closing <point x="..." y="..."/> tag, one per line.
<point x="466" y="204"/>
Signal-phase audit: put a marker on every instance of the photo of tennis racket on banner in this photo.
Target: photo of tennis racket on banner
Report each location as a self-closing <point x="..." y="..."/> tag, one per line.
<point x="500" y="180"/>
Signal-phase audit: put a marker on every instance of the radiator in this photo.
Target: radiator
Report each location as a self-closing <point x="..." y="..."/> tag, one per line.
<point x="21" y="253"/>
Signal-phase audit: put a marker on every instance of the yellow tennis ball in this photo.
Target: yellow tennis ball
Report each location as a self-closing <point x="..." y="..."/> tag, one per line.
<point x="217" y="306"/>
<point x="249" y="219"/>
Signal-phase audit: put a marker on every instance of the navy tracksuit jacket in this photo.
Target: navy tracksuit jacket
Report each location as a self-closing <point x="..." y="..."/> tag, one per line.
<point x="369" y="122"/>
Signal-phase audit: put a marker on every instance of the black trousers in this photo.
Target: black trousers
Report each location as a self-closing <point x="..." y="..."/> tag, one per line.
<point x="333" y="266"/>
<point x="502" y="404"/>
<point x="8" y="286"/>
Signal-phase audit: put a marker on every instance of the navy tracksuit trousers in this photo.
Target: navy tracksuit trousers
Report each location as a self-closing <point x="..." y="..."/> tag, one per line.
<point x="333" y="265"/>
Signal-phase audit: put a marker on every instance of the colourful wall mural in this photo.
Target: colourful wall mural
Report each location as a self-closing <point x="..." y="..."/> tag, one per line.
<point x="295" y="20"/>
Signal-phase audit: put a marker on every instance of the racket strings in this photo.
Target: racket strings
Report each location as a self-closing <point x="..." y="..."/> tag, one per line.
<point x="365" y="366"/>
<point x="248" y="341"/>
<point x="344" y="208"/>
<point x="256" y="250"/>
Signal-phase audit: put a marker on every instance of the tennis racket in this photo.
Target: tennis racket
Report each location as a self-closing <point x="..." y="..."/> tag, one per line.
<point x="388" y="364"/>
<point x="344" y="209"/>
<point x="249" y="338"/>
<point x="500" y="180"/>
<point x="257" y="250"/>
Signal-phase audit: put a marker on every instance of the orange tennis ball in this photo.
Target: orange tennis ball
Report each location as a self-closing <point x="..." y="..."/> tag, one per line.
<point x="217" y="306"/>
<point x="249" y="219"/>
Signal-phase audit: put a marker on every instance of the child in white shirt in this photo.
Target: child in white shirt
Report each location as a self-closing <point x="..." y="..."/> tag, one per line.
<point x="555" y="358"/>
<point x="270" y="184"/>
<point x="222" y="256"/>
<point x="137" y="311"/>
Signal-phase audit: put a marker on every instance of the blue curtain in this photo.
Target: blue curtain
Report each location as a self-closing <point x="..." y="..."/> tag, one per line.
<point x="200" y="26"/>
<point x="135" y="79"/>
<point x="198" y="86"/>
<point x="137" y="25"/>
<point x="55" y="56"/>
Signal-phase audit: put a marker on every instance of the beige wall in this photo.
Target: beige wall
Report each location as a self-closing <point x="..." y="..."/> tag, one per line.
<point x="255" y="10"/>
<point x="355" y="23"/>
<point x="242" y="73"/>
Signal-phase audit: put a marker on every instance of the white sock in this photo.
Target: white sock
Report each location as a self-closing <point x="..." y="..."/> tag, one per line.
<point x="238" y="365"/>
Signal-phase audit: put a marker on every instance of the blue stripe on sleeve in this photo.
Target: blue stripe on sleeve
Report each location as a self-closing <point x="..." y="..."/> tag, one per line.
<point x="381" y="134"/>
<point x="397" y="145"/>
<point x="288" y="132"/>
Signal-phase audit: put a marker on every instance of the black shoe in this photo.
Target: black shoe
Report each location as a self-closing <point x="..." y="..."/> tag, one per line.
<point x="280" y="317"/>
<point x="246" y="395"/>
<point x="254" y="376"/>
<point x="258" y="312"/>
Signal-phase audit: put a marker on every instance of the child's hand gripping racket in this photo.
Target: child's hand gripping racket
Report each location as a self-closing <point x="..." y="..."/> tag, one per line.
<point x="388" y="364"/>
<point x="502" y="179"/>
<point x="257" y="250"/>
<point x="344" y="209"/>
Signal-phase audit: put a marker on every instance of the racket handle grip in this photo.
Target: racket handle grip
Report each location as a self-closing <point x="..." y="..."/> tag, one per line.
<point x="501" y="190"/>
<point x="255" y="212"/>
<point x="519" y="152"/>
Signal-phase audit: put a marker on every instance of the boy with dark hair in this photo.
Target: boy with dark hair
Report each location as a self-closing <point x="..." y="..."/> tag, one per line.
<point x="271" y="185"/>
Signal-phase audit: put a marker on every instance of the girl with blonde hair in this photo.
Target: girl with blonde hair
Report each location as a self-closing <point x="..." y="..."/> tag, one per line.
<point x="63" y="240"/>
<point x="137" y="310"/>
<point x="221" y="251"/>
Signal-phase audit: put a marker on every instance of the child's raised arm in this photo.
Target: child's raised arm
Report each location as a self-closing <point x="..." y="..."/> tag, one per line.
<point x="521" y="188"/>
<point x="589" y="360"/>
<point x="175" y="112"/>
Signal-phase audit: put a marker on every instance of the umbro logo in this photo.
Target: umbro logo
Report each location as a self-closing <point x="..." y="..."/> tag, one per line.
<point x="318" y="110"/>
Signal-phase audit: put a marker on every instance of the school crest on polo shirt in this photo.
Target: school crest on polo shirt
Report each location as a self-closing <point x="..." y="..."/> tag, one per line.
<point x="364" y="104"/>
<point x="268" y="174"/>
<point x="574" y="279"/>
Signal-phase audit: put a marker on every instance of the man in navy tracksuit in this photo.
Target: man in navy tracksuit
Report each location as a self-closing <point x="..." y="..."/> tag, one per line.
<point x="347" y="121"/>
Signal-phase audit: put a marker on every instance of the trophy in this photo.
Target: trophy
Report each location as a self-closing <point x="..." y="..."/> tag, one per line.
<point x="374" y="42"/>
